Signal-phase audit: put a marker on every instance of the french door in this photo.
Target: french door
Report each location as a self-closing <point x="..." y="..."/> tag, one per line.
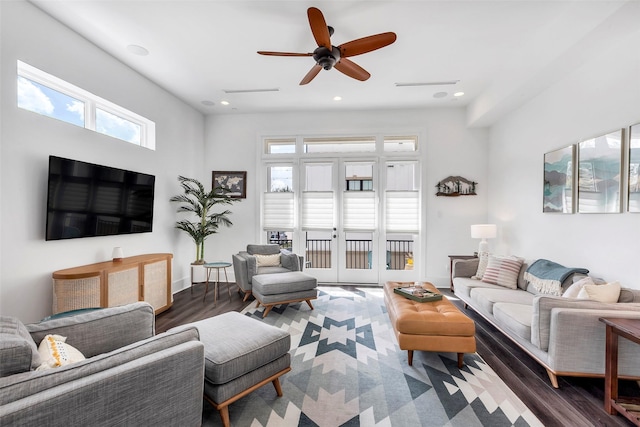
<point x="354" y="219"/>
<point x="339" y="213"/>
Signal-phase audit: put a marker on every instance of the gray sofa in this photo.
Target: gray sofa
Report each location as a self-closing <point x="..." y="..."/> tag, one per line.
<point x="130" y="376"/>
<point x="245" y="265"/>
<point x="564" y="335"/>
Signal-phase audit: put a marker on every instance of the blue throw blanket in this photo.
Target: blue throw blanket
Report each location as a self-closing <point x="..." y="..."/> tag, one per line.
<point x="547" y="276"/>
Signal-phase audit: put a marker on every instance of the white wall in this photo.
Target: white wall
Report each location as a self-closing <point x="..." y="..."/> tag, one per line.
<point x="601" y="96"/>
<point x="27" y="140"/>
<point x="449" y="148"/>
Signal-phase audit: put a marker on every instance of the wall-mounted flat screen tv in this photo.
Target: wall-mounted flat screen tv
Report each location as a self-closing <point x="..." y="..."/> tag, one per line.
<point x="86" y="200"/>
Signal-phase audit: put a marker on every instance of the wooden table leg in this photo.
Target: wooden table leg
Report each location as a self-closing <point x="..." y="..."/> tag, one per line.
<point x="611" y="370"/>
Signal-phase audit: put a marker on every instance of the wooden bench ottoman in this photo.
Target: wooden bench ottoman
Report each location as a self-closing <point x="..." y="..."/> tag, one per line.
<point x="429" y="326"/>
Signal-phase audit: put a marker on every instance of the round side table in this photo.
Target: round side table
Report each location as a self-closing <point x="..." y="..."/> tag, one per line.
<point x="217" y="266"/>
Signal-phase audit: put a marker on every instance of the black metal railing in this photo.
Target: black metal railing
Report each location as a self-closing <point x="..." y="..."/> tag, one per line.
<point x="358" y="253"/>
<point x="318" y="253"/>
<point x="398" y="253"/>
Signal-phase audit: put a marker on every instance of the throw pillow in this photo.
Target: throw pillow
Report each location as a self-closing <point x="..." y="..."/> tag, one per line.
<point x="55" y="352"/>
<point x="268" y="260"/>
<point x="12" y="328"/>
<point x="574" y="290"/>
<point x="602" y="293"/>
<point x="503" y="271"/>
<point x="483" y="260"/>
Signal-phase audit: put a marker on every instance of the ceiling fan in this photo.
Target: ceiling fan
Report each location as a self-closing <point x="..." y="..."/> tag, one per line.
<point x="328" y="56"/>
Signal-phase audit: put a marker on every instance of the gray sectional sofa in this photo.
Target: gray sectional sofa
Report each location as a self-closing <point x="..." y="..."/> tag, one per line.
<point x="130" y="376"/>
<point x="564" y="335"/>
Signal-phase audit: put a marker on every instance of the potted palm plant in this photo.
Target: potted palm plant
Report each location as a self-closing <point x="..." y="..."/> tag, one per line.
<point x="197" y="201"/>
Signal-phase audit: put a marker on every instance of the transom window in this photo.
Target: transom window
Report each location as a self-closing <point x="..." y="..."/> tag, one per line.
<point x="50" y="96"/>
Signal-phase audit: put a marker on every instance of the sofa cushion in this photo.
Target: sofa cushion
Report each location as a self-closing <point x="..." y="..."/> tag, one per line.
<point x="263" y="249"/>
<point x="602" y="293"/>
<point x="485" y="298"/>
<point x="277" y="284"/>
<point x="516" y="318"/>
<point x="18" y="351"/>
<point x="464" y="285"/>
<point x="503" y="271"/>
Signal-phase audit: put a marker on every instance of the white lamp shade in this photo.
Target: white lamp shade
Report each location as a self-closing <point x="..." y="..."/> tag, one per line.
<point x="483" y="231"/>
<point x="117" y="253"/>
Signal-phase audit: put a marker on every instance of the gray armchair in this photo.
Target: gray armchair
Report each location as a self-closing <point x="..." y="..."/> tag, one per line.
<point x="129" y="377"/>
<point x="246" y="265"/>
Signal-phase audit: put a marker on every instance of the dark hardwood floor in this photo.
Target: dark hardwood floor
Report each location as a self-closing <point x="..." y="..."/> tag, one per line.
<point x="578" y="401"/>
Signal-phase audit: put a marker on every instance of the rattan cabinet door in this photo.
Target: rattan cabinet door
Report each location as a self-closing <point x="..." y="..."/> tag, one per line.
<point x="156" y="285"/>
<point x="122" y="286"/>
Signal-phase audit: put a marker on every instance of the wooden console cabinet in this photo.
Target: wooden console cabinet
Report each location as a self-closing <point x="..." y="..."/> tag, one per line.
<point x="107" y="284"/>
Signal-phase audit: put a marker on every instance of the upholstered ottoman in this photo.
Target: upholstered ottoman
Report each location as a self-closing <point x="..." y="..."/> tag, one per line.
<point x="283" y="288"/>
<point x="241" y="355"/>
<point x="429" y="326"/>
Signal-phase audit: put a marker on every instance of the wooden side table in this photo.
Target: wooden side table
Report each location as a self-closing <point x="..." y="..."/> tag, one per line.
<point x="629" y="329"/>
<point x="453" y="258"/>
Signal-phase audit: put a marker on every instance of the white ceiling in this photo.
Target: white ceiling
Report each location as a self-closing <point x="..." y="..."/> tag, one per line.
<point x="501" y="53"/>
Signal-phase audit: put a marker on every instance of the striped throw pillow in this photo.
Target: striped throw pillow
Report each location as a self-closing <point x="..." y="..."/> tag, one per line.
<point x="503" y="271"/>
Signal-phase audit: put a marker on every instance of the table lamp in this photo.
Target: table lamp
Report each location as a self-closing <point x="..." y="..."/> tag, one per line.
<point x="484" y="232"/>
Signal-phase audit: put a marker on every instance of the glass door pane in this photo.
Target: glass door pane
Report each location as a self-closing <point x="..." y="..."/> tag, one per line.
<point x="317" y="221"/>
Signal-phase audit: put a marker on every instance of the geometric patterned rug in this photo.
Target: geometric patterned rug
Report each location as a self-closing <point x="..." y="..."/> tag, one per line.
<point x="347" y="370"/>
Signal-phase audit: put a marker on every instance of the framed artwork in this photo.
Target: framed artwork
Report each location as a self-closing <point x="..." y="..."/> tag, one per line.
<point x="599" y="173"/>
<point x="634" y="168"/>
<point x="558" y="180"/>
<point x="234" y="182"/>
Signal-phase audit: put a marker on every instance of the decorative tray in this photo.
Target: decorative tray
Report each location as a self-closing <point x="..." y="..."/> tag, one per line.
<point x="417" y="293"/>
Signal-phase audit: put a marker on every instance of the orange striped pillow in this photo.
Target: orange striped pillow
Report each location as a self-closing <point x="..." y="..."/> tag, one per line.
<point x="503" y="271"/>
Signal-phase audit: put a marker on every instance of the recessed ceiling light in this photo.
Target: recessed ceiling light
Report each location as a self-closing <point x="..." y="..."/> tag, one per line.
<point x="458" y="94"/>
<point x="137" y="50"/>
<point x="208" y="103"/>
<point x="224" y="102"/>
<point x="337" y="98"/>
<point x="440" y="94"/>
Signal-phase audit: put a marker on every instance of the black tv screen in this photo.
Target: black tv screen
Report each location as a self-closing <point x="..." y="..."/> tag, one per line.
<point x="86" y="200"/>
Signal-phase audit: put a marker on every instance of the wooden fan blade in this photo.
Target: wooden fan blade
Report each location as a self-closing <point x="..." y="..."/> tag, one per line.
<point x="262" y="52"/>
<point x="311" y="74"/>
<point x="351" y="69"/>
<point x="366" y="44"/>
<point x="319" y="27"/>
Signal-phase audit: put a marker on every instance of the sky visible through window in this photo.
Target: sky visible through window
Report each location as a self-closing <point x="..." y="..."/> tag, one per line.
<point x="40" y="99"/>
<point x="43" y="100"/>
